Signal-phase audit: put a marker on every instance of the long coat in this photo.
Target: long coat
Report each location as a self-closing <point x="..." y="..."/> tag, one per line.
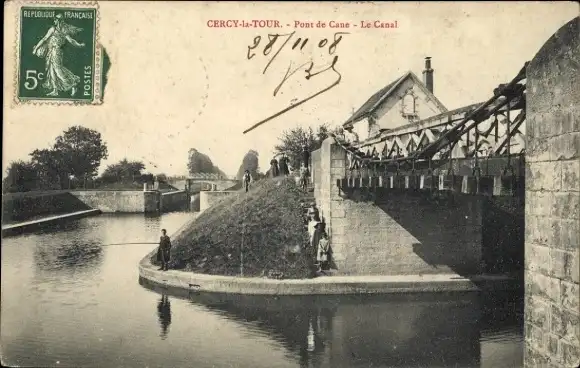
<point x="284" y="166"/>
<point x="164" y="250"/>
<point x="274" y="171"/>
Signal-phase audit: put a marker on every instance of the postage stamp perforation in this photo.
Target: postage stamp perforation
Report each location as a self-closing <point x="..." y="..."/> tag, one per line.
<point x="97" y="52"/>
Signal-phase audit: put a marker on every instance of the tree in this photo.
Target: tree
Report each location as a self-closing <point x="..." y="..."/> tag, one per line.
<point x="124" y="171"/>
<point x="50" y="167"/>
<point x="20" y="177"/>
<point x="292" y="142"/>
<point x="250" y="162"/>
<point x="81" y="151"/>
<point x="199" y="163"/>
<point x="162" y="178"/>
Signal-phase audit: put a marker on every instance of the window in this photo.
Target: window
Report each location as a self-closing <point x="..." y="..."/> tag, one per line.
<point x="409" y="106"/>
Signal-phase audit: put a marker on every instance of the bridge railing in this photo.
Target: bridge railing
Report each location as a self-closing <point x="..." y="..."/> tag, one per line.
<point x="461" y="143"/>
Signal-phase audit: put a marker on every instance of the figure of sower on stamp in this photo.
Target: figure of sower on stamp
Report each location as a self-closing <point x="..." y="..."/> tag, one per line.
<point x="51" y="47"/>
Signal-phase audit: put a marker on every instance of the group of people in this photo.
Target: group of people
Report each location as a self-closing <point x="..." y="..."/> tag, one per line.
<point x="319" y="244"/>
<point x="279" y="167"/>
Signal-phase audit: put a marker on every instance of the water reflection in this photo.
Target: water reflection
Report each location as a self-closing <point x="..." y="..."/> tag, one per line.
<point x="443" y="330"/>
<point x="66" y="298"/>
<point x="164" y="314"/>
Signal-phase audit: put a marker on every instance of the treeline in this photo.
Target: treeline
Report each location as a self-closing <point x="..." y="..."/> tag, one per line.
<point x="73" y="162"/>
<point x="75" y="157"/>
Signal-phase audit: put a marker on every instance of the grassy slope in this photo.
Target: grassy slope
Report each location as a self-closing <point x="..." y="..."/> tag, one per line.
<point x="269" y="221"/>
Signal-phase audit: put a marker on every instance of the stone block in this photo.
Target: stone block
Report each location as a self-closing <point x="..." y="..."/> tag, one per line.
<point x="563" y="263"/>
<point x="542" y="203"/>
<point x="338" y="164"/>
<point x="569" y="121"/>
<point x="543" y="231"/>
<point x="340" y="222"/>
<point x="566" y="237"/>
<point x="538" y="313"/>
<point x="338" y="213"/>
<point x="570" y="354"/>
<point x="537" y="258"/>
<point x="337" y="173"/>
<point x="552" y="345"/>
<point x="529" y="235"/>
<point x="565" y="324"/>
<point x="544" y="176"/>
<point x="566" y="205"/>
<point x="570" y="296"/>
<point x="542" y="286"/>
<point x="537" y="150"/>
<point x="565" y="147"/>
<point x="337" y="153"/>
<point x="571" y="175"/>
<point x="532" y="357"/>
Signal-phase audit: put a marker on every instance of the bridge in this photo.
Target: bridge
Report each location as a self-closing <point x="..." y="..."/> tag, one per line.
<point x="474" y="149"/>
<point x="204" y="182"/>
<point x="489" y="188"/>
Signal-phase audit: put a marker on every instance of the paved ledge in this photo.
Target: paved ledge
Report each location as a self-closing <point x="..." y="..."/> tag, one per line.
<point x="21" y="226"/>
<point x="325" y="285"/>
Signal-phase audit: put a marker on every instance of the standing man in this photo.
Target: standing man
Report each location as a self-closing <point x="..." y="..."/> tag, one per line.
<point x="305" y="156"/>
<point x="164" y="251"/>
<point x="247" y="180"/>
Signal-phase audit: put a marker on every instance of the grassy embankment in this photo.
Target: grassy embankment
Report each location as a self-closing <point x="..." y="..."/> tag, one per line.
<point x="266" y="225"/>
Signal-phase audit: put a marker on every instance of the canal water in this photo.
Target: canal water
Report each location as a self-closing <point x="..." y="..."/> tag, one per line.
<point x="70" y="301"/>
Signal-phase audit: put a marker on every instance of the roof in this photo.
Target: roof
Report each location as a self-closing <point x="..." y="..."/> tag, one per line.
<point x="376" y="100"/>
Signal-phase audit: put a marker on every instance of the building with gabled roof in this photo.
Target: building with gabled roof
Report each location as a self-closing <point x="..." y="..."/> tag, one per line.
<point x="405" y="100"/>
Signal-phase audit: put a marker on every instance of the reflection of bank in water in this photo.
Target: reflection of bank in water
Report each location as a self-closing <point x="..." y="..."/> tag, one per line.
<point x="418" y="330"/>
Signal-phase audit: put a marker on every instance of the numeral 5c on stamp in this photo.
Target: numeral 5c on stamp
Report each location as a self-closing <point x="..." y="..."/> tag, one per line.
<point x="58" y="58"/>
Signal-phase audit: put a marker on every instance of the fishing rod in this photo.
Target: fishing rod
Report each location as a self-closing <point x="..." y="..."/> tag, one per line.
<point x="106" y="245"/>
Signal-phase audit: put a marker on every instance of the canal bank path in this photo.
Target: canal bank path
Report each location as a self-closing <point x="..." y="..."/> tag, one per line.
<point x="324" y="285"/>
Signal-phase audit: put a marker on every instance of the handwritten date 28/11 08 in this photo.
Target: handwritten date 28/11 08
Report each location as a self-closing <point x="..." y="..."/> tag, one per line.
<point x="275" y="43"/>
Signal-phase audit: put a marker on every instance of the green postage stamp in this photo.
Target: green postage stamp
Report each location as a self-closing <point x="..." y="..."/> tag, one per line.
<point x="59" y="57"/>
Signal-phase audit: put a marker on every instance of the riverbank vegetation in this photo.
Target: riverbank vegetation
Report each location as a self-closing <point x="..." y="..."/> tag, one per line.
<point x="256" y="234"/>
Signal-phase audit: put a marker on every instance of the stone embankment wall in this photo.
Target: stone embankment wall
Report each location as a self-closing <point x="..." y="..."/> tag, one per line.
<point x="172" y="201"/>
<point x="18" y="207"/>
<point x="401" y="233"/>
<point x="552" y="309"/>
<point x="130" y="201"/>
<point x="208" y="199"/>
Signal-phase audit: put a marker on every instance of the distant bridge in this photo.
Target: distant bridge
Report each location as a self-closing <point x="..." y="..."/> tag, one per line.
<point x="203" y="182"/>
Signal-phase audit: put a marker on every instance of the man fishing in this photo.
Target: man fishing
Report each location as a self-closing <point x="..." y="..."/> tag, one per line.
<point x="164" y="251"/>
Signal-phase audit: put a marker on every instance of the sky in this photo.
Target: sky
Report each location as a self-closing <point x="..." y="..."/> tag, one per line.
<point x="176" y="84"/>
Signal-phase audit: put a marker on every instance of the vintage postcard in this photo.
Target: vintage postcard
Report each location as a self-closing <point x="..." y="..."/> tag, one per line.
<point x="290" y="184"/>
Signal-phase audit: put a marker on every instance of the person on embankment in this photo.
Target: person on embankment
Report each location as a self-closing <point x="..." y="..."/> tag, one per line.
<point x="283" y="165"/>
<point x="274" y="170"/>
<point x="247" y="180"/>
<point x="164" y="250"/>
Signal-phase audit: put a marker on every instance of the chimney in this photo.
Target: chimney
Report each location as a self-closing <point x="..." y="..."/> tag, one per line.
<point x="428" y="74"/>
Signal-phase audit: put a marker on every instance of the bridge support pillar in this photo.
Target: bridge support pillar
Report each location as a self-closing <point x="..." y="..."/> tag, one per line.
<point x="552" y="208"/>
